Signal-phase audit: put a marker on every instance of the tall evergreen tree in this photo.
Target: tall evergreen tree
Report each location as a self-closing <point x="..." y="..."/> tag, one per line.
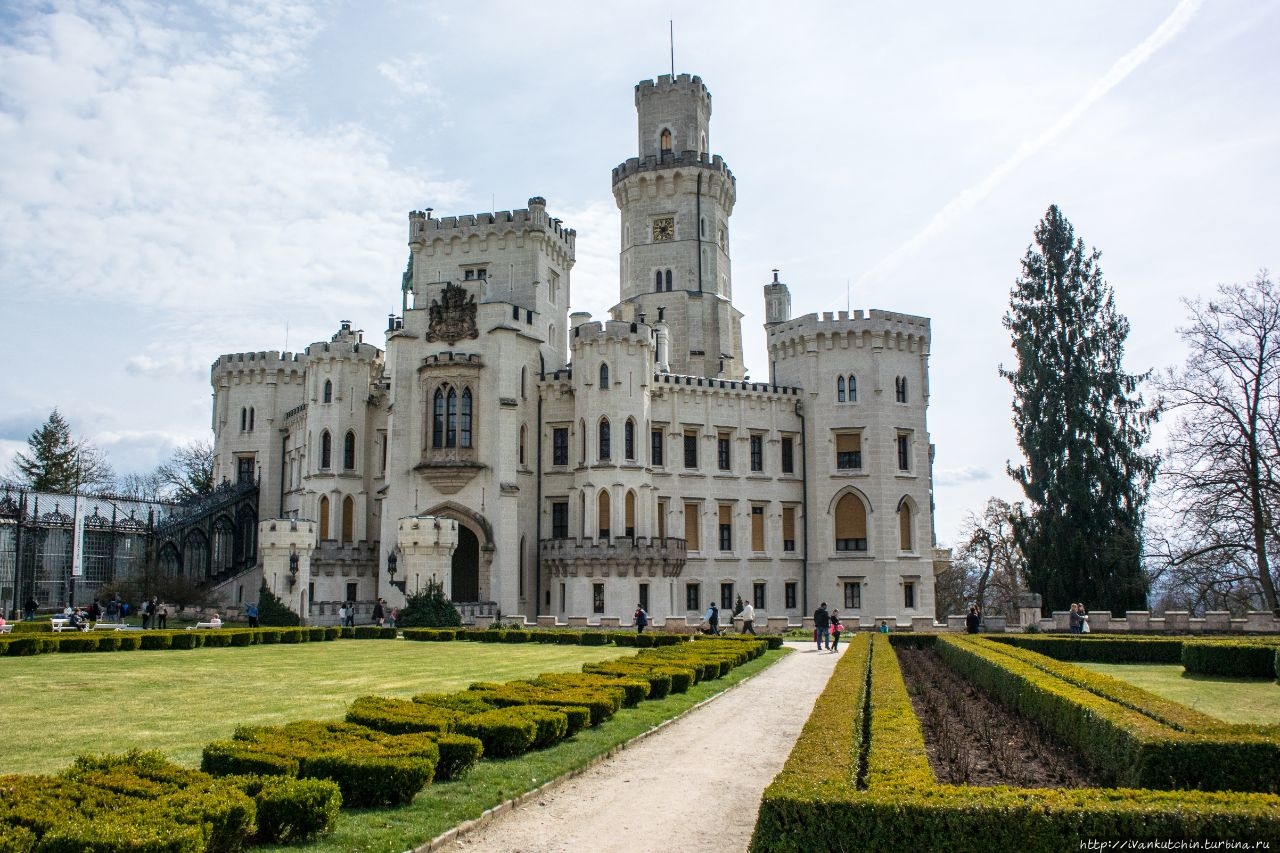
<point x="59" y="463"/>
<point x="1081" y="425"/>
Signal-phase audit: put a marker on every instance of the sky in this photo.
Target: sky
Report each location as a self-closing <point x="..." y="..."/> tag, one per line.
<point x="182" y="180"/>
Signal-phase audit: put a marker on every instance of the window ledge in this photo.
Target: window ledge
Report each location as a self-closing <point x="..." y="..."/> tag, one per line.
<point x="851" y="555"/>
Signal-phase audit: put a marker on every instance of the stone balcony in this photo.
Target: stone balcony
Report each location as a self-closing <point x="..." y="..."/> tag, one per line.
<point x="623" y="556"/>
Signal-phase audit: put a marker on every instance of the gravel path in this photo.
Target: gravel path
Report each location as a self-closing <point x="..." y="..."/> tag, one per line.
<point x="693" y="785"/>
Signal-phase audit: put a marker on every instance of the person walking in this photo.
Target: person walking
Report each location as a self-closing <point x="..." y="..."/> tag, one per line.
<point x="351" y="614"/>
<point x="712" y="617"/>
<point x="29" y="608"/>
<point x="378" y="613"/>
<point x="642" y="619"/>
<point x="822" y="627"/>
<point x="837" y="628"/>
<point x="1074" y="621"/>
<point x="748" y="618"/>
<point x="973" y="621"/>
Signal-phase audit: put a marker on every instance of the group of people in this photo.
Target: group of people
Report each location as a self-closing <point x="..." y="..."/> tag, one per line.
<point x="1079" y="619"/>
<point x="383" y="616"/>
<point x="827" y="628"/>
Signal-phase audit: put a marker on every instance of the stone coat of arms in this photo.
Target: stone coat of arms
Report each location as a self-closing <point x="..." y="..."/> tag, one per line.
<point x="453" y="316"/>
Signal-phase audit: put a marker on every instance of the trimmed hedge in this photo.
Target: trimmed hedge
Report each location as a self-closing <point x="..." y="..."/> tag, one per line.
<point x="859" y="771"/>
<point x="1233" y="658"/>
<point x="1097" y="649"/>
<point x="291" y="810"/>
<point x="370" y="767"/>
<point x="503" y="731"/>
<point x="400" y="716"/>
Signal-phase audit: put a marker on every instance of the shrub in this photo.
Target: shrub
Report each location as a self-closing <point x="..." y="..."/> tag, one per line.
<point x="517" y="636"/>
<point x="272" y="612"/>
<point x="22" y="646"/>
<point x="268" y="636"/>
<point x="429" y="608"/>
<point x="503" y="731"/>
<point x="1239" y="659"/>
<point x="78" y="643"/>
<point x="1097" y="649"/>
<point x="595" y="638"/>
<point x="129" y="641"/>
<point x="156" y="640"/>
<point x="458" y="754"/>
<point x="400" y="716"/>
<point x="241" y="638"/>
<point x="293" y="810"/>
<point x="219" y="639"/>
<point x="291" y="636"/>
<point x="187" y="640"/>
<point x="369" y="781"/>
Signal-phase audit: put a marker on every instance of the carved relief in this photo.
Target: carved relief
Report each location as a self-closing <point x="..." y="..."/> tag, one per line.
<point x="453" y="316"/>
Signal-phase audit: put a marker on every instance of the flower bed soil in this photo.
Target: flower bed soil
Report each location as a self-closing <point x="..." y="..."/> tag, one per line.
<point x="974" y="740"/>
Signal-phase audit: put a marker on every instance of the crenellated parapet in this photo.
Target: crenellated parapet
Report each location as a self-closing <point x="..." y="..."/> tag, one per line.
<point x="347" y="344"/>
<point x="877" y="329"/>
<point x="594" y="333"/>
<point x="432" y="235"/>
<point x="681" y="84"/>
<point x="732" y="387"/>
<point x="619" y="557"/>
<point x="713" y="163"/>
<point x="255" y="366"/>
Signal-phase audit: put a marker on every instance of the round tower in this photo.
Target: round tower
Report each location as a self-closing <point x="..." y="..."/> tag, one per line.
<point x="676" y="199"/>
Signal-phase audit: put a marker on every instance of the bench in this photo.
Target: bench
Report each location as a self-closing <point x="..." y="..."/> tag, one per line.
<point x="6" y="628"/>
<point x="213" y="625"/>
<point x="113" y="626"/>
<point x="59" y="623"/>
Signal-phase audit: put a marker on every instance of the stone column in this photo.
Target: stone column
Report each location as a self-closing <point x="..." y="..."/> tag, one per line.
<point x="426" y="545"/>
<point x="282" y="539"/>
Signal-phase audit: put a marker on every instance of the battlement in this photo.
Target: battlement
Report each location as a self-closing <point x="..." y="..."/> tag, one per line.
<point x="874" y="320"/>
<point x="687" y="159"/>
<point x="439" y="358"/>
<point x="423" y="227"/>
<point x="665" y="84"/>
<point x="263" y="360"/>
<point x="593" y="331"/>
<point x="740" y="386"/>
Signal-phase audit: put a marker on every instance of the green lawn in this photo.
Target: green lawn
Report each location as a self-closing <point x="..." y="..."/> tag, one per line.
<point x="56" y="706"/>
<point x="1235" y="700"/>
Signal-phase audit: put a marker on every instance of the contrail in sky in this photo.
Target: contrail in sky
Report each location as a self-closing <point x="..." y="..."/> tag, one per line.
<point x="971" y="196"/>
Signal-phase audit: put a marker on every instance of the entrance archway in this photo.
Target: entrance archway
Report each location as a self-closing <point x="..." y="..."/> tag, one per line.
<point x="466" y="567"/>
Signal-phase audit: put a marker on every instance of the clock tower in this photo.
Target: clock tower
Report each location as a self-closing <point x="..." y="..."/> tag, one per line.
<point x="676" y="199"/>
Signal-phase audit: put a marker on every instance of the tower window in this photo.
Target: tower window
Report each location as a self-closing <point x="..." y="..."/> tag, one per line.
<point x="904" y="451"/>
<point x="657" y="281"/>
<point x="560" y="446"/>
<point x="757" y="452"/>
<point x="349" y="451"/>
<point x="788" y="455"/>
<point x="629" y="440"/>
<point x="668" y="277"/>
<point x="853" y="388"/>
<point x="604" y="439"/>
<point x="900" y="389"/>
<point x="604" y="377"/>
<point x="326" y="449"/>
<point x="839" y="389"/>
<point x="691" y="450"/>
<point x="722" y="451"/>
<point x="655" y="447"/>
<point x="664" y="141"/>
<point x="328" y="391"/>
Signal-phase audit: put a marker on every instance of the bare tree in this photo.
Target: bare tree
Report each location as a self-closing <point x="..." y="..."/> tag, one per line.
<point x="188" y="473"/>
<point x="1221" y="489"/>
<point x="988" y="567"/>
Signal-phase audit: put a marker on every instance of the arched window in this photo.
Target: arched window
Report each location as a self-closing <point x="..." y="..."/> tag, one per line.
<point x="464" y="424"/>
<point x="349" y="451"/>
<point x="602" y="514"/>
<point x="664" y="141"/>
<point x="629" y="513"/>
<point x="839" y="389"/>
<point x="629" y="440"/>
<point x="244" y="419"/>
<point x="451" y="418"/>
<point x="906" y="526"/>
<point x="582" y="431"/>
<point x="324" y="517"/>
<point x="702" y="227"/>
<point x="524" y="432"/>
<point x="604" y="439"/>
<point x="251" y="419"/>
<point x="900" y="389"/>
<point x="523" y="376"/>
<point x="348" y="519"/>
<point x="668" y="279"/>
<point x="657" y="281"/>
<point x="326" y="449"/>
<point x="520" y="573"/>
<point x="328" y="391"/>
<point x="853" y="388"/>
<point x="437" y="418"/>
<point x="851" y="524"/>
<point x="604" y="377"/>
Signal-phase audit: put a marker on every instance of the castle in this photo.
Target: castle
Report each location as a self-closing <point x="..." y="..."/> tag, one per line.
<point x="539" y="463"/>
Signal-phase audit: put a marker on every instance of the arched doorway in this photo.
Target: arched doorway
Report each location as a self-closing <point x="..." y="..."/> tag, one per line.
<point x="466" y="567"/>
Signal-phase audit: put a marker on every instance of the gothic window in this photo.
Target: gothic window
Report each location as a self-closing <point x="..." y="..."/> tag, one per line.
<point x="603" y="521"/>
<point x="664" y="141"/>
<point x="853" y="388"/>
<point x="839" y="389"/>
<point x="668" y="278"/>
<point x="904" y="451"/>
<point x="349" y="452"/>
<point x="604" y="377"/>
<point x="629" y="440"/>
<point x="251" y="419"/>
<point x="524" y="432"/>
<point x="324" y="517"/>
<point x="464" y="422"/>
<point x="657" y="281"/>
<point x="900" y="389"/>
<point x="851" y="524"/>
<point x="328" y="391"/>
<point x="629" y="514"/>
<point x="451" y="418"/>
<point x="523" y="376"/>
<point x="437" y="419"/>
<point x="702" y="227"/>
<point x="604" y="439"/>
<point x="348" y="519"/>
<point x="244" y="419"/>
<point x="560" y="446"/>
<point x="326" y="449"/>
<point x="905" y="526"/>
<point x="582" y="449"/>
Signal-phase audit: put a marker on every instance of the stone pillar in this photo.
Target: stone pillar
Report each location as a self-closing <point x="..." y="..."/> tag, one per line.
<point x="282" y="539"/>
<point x="426" y="544"/>
<point x="1029" y="609"/>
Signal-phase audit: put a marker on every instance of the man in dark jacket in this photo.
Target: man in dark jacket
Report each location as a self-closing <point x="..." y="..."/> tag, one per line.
<point x="822" y="627"/>
<point x="973" y="621"/>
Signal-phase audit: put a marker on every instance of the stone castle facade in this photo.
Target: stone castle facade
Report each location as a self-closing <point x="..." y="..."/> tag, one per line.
<point x="538" y="462"/>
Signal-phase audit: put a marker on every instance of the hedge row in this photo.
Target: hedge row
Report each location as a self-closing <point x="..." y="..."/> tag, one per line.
<point x="1132" y="746"/>
<point x="140" y="802"/>
<point x="561" y="636"/>
<point x="1234" y="658"/>
<point x="371" y="768"/>
<point x="1097" y="648"/>
<point x="894" y="802"/>
<point x="112" y="641"/>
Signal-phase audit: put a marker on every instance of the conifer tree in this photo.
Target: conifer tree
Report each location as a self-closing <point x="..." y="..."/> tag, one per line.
<point x="59" y="463"/>
<point x="1081" y="426"/>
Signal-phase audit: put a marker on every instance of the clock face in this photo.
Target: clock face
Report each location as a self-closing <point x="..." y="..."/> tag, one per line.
<point x="664" y="229"/>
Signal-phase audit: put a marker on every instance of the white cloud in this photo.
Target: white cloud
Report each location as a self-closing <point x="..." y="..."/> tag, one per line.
<point x="410" y="75"/>
<point x="956" y="476"/>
